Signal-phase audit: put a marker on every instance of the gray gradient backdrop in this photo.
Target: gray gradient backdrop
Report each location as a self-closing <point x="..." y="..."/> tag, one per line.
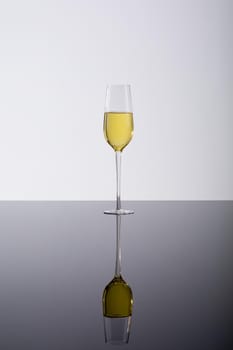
<point x="56" y="57"/>
<point x="57" y="257"/>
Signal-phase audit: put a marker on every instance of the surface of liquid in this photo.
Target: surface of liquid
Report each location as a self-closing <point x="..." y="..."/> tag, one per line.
<point x="117" y="299"/>
<point x="118" y="129"/>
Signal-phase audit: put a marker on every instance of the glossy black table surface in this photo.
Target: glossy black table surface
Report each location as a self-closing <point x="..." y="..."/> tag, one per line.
<point x="57" y="257"/>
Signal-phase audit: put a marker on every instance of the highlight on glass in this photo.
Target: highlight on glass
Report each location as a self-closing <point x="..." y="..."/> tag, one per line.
<point x="118" y="131"/>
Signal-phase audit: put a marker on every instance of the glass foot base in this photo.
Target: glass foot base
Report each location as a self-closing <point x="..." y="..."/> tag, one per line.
<point x="119" y="212"/>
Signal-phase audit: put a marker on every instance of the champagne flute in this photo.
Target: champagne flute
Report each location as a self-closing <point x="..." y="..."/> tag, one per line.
<point x="118" y="131"/>
<point x="117" y="301"/>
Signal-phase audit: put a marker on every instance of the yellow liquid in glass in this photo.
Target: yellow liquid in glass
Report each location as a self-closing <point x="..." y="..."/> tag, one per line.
<point x="118" y="129"/>
<point x="117" y="299"/>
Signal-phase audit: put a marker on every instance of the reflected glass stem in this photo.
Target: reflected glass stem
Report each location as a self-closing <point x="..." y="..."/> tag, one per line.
<point x="118" y="246"/>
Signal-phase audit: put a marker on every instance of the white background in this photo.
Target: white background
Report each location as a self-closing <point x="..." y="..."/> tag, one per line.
<point x="56" y="58"/>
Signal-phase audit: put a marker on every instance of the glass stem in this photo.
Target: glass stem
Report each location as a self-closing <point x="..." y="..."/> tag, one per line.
<point x="118" y="180"/>
<point x="118" y="246"/>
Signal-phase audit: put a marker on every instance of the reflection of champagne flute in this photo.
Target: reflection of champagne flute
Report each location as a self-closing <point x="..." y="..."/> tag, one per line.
<point x="117" y="301"/>
<point x="118" y="130"/>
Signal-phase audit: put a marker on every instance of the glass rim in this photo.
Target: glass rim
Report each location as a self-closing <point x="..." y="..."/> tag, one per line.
<point x="118" y="85"/>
